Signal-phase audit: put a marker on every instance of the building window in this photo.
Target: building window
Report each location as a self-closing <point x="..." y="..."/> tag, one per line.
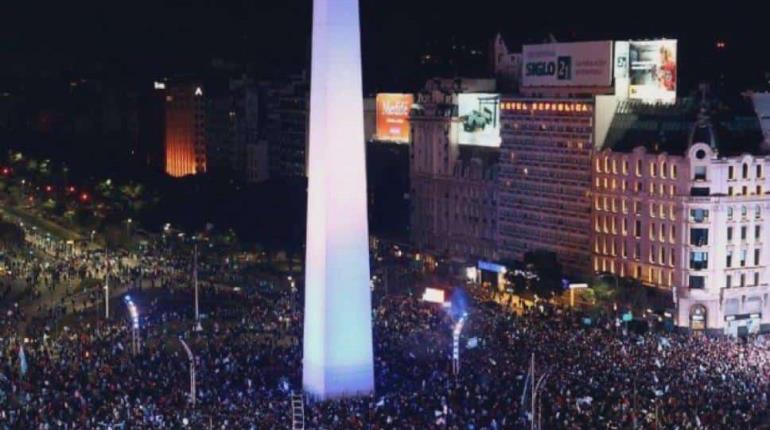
<point x="662" y="258"/>
<point x="745" y="170"/>
<point x="744" y="190"/>
<point x="637" y="251"/>
<point x="614" y="166"/>
<point x="638" y="167"/>
<point x="624" y="224"/>
<point x="743" y="212"/>
<point x="700" y="173"/>
<point x="756" y="278"/>
<point x="663" y="170"/>
<point x="672" y="258"/>
<point x="652" y="209"/>
<point x="638" y="229"/>
<point x="699" y="236"/>
<point x="598" y="166"/>
<point x="756" y="257"/>
<point x="728" y="281"/>
<point x="759" y="190"/>
<point x="625" y="167"/>
<point x="743" y="232"/>
<point x="729" y="234"/>
<point x="729" y="213"/>
<point x="673" y="233"/>
<point x="698" y="282"/>
<point x="652" y="253"/>
<point x="729" y="260"/>
<point x="653" y="169"/>
<point x="743" y="258"/>
<point x="743" y="279"/>
<point x="699" y="260"/>
<point x="729" y="191"/>
<point x="730" y="172"/>
<point x="759" y="171"/>
<point x="757" y="230"/>
<point x="701" y="215"/>
<point x="757" y="212"/>
<point x="673" y="171"/>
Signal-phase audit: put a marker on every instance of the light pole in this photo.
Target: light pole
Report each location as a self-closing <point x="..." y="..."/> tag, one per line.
<point x="456" y="331"/>
<point x="107" y="288"/>
<point x="191" y="358"/>
<point x="195" y="285"/>
<point x="134" y="314"/>
<point x="128" y="227"/>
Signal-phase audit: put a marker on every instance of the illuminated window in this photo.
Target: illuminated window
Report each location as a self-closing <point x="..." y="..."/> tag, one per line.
<point x="624" y="184"/>
<point x="614" y="205"/>
<point x="671" y="190"/>
<point x="598" y="166"/>
<point x="624" y="204"/>
<point x="652" y="231"/>
<point x="614" y="184"/>
<point x="673" y="233"/>
<point x="614" y="166"/>
<point x="671" y="214"/>
<point x="652" y="209"/>
<point x="614" y="229"/>
<point x="625" y="167"/>
<point x="606" y="165"/>
<point x="673" y="171"/>
<point x="759" y="171"/>
<point x="638" y="167"/>
<point x="745" y="171"/>
<point x="652" y="253"/>
<point x="653" y="169"/>
<point x="624" y="225"/>
<point x="663" y="170"/>
<point x="597" y="206"/>
<point x="662" y="211"/>
<point x="730" y="172"/>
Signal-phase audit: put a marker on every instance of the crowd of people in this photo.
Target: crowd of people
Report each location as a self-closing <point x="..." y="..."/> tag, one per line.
<point x="248" y="361"/>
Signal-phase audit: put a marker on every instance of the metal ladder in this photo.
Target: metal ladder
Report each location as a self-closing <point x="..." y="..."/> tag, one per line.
<point x="297" y="411"/>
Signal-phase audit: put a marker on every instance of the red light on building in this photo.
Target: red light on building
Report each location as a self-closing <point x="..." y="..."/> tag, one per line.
<point x="84" y="197"/>
<point x="6" y="171"/>
<point x="48" y="188"/>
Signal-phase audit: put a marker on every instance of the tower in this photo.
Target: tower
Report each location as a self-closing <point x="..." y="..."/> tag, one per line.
<point x="338" y="355"/>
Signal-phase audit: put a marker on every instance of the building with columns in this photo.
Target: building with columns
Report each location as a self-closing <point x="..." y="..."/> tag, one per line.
<point x="679" y="202"/>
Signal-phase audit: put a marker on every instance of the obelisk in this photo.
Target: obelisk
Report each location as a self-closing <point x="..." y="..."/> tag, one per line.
<point x="338" y="355"/>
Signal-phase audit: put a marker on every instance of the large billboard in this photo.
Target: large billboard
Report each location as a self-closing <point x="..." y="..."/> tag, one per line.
<point x="480" y="116"/>
<point x="393" y="117"/>
<point x="652" y="71"/>
<point x="579" y="64"/>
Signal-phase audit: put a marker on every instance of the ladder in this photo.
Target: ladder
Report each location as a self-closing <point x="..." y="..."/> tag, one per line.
<point x="297" y="411"/>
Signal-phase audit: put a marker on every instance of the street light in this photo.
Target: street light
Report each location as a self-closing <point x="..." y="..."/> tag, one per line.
<point x="191" y="358"/>
<point x="195" y="284"/>
<point x="134" y="314"/>
<point x="456" y="331"/>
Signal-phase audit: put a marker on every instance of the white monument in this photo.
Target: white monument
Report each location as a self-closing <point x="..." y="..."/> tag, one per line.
<point x="338" y="355"/>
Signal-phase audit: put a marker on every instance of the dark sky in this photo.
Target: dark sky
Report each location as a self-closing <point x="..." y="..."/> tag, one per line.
<point x="140" y="37"/>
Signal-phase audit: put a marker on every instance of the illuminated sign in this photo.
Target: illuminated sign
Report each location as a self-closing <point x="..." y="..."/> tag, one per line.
<point x="393" y="117"/>
<point x="433" y="295"/>
<point x="480" y="116"/>
<point x="491" y="267"/>
<point x="550" y="107"/>
<point x="652" y="71"/>
<point x="580" y="64"/>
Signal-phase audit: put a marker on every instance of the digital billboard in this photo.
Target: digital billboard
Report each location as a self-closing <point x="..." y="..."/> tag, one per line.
<point x="480" y="116"/>
<point x="393" y="117"/>
<point x="652" y="71"/>
<point x="579" y="64"/>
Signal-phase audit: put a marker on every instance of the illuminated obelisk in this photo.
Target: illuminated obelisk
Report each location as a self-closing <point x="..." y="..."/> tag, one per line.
<point x="338" y="355"/>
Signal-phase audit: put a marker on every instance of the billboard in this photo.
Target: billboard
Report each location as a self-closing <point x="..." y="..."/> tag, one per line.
<point x="393" y="117"/>
<point x="480" y="116"/>
<point x="579" y="64"/>
<point x="652" y="71"/>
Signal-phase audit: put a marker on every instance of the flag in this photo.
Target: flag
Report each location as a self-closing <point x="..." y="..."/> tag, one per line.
<point x="22" y="361"/>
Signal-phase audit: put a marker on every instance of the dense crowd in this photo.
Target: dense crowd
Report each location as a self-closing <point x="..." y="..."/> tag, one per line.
<point x="84" y="374"/>
<point x="249" y="358"/>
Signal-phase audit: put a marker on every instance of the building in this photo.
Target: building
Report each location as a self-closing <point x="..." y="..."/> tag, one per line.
<point x="232" y="126"/>
<point x="285" y="103"/>
<point x="544" y="179"/>
<point x="680" y="203"/>
<point x="453" y="184"/>
<point x="185" y="136"/>
<point x="506" y="65"/>
<point x="256" y="167"/>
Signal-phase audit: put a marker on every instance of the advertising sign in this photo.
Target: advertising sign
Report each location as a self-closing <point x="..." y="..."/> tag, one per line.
<point x="393" y="117"/>
<point x="433" y="295"/>
<point x="579" y="64"/>
<point x="480" y="116"/>
<point x="652" y="71"/>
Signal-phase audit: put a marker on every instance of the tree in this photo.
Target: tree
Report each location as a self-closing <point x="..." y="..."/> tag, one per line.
<point x="11" y="235"/>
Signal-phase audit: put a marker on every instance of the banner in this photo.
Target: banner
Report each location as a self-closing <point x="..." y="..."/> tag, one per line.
<point x="393" y="117"/>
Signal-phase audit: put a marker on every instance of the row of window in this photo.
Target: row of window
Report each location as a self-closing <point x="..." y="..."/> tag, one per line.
<point x="699" y="282"/>
<point x="657" y="254"/>
<point x="607" y="224"/>
<point x="653" y="188"/>
<point x="652" y="275"/>
<point x="657" y="210"/>
<point x="655" y="169"/>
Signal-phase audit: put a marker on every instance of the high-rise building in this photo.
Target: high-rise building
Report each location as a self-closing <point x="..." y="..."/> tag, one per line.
<point x="453" y="182"/>
<point x="680" y="202"/>
<point x="185" y="137"/>
<point x="338" y="356"/>
<point x="286" y="117"/>
<point x="544" y="179"/>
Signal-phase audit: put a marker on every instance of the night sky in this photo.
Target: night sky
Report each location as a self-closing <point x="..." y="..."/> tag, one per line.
<point x="142" y="38"/>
